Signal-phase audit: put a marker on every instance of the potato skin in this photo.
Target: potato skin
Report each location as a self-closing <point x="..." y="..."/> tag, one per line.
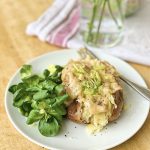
<point x="118" y="96"/>
<point x="74" y="110"/>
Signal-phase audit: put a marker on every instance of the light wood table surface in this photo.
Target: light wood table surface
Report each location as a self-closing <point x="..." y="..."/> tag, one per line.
<point x="16" y="48"/>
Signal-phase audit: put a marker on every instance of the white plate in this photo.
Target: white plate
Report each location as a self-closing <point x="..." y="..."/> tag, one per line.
<point x="127" y="125"/>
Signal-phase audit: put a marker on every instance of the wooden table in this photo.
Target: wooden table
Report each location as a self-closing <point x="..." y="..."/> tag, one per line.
<point x="16" y="48"/>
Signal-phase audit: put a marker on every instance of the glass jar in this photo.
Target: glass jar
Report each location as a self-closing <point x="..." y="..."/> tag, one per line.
<point x="132" y="7"/>
<point x="102" y="22"/>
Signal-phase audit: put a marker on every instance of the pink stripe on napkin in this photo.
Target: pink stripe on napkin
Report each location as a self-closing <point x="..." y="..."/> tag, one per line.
<point x="66" y="30"/>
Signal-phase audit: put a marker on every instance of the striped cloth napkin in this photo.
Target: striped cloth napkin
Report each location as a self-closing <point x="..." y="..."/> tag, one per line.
<point x="60" y="25"/>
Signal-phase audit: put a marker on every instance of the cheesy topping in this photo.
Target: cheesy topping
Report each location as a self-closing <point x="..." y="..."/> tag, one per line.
<point x="96" y="83"/>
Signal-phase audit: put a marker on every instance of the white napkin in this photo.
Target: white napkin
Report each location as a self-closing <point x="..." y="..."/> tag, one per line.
<point x="59" y="25"/>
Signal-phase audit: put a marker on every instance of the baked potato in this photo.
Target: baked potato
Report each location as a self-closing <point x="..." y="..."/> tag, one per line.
<point x="96" y="96"/>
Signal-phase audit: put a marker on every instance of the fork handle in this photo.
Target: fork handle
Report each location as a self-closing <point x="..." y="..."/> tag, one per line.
<point x="141" y="90"/>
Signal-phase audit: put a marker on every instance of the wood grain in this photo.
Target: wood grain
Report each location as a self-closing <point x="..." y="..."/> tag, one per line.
<point x="16" y="48"/>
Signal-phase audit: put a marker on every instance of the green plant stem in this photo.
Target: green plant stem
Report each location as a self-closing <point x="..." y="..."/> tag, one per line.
<point x="119" y="8"/>
<point x="91" y="23"/>
<point x="112" y="15"/>
<point x="100" y="21"/>
<point x="98" y="4"/>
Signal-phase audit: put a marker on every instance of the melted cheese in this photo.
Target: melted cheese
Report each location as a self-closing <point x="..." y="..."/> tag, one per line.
<point x="96" y="82"/>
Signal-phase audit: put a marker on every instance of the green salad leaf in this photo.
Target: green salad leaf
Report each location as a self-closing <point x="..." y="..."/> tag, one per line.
<point x="61" y="110"/>
<point x="48" y="84"/>
<point x="41" y="98"/>
<point x="60" y="100"/>
<point x="34" y="116"/>
<point x="49" y="128"/>
<point x="26" y="71"/>
<point x="40" y="95"/>
<point x="25" y="108"/>
<point x="59" y="89"/>
<point x="13" y="89"/>
<point x="18" y="103"/>
<point x="19" y="94"/>
<point x="46" y="73"/>
<point x="32" y="80"/>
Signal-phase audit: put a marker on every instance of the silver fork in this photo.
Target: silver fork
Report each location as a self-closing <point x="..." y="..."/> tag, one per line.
<point x="139" y="89"/>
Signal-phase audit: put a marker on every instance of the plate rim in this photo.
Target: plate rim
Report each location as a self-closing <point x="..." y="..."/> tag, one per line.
<point x="59" y="51"/>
